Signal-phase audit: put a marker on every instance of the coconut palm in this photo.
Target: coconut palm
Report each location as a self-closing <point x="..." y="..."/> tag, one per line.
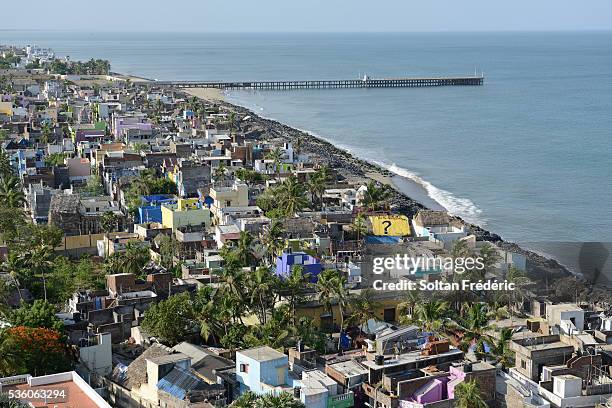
<point x="360" y="226"/>
<point x="5" y="165"/>
<point x="406" y="308"/>
<point x="284" y="400"/>
<point x="260" y="285"/>
<point x="291" y="195"/>
<point x="521" y="282"/>
<point x="244" y="248"/>
<point x="375" y="197"/>
<point x="316" y="186"/>
<point x="276" y="155"/>
<point x="220" y="172"/>
<point x="501" y="348"/>
<point x="326" y="287"/>
<point x="109" y="221"/>
<point x="468" y="395"/>
<point x="10" y="362"/>
<point x="11" y="195"/>
<point x="475" y="327"/>
<point x="292" y="286"/>
<point x="363" y="308"/>
<point x="273" y="240"/>
<point x="432" y="315"/>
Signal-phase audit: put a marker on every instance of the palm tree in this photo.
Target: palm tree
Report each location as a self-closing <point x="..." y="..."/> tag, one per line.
<point x="501" y="349"/>
<point x="375" y="197"/>
<point x="5" y="165"/>
<point x="468" y="395"/>
<point x="141" y="185"/>
<point x="431" y="315"/>
<point x="244" y="248"/>
<point x="246" y="400"/>
<point x="9" y="363"/>
<point x="406" y="308"/>
<point x="292" y="196"/>
<point x="521" y="282"/>
<point x="363" y="308"/>
<point x="475" y="327"/>
<point x="276" y="155"/>
<point x="12" y="266"/>
<point x="292" y="286"/>
<point x="284" y="400"/>
<point x="46" y="130"/>
<point x="220" y="172"/>
<point x="273" y="239"/>
<point x="11" y="195"/>
<point x="325" y="288"/>
<point x="360" y="226"/>
<point x="316" y="186"/>
<point x="260" y="286"/>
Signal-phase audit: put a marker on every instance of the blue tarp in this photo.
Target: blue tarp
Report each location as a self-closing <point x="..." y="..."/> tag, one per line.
<point x="373" y="239"/>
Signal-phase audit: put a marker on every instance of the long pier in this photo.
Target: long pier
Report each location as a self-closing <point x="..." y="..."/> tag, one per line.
<point x="331" y="84"/>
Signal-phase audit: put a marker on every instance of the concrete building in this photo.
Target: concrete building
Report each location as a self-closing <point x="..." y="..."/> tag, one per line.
<point x="234" y="194"/>
<point x="263" y="370"/>
<point x="533" y="353"/>
<point x="186" y="212"/>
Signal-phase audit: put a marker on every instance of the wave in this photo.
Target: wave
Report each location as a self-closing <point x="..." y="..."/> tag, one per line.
<point x="458" y="206"/>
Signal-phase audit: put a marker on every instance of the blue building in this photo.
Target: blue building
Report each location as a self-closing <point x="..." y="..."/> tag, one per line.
<point x="150" y="211"/>
<point x="263" y="370"/>
<point x="285" y="263"/>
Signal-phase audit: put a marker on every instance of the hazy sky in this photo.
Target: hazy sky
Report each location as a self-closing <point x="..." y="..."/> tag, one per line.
<point x="308" y="15"/>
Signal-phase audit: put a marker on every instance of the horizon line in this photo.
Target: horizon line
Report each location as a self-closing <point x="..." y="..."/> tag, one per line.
<point x="180" y="31"/>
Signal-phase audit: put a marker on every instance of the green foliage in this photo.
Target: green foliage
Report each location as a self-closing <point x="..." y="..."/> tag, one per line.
<point x="468" y="395"/>
<point x="39" y="314"/>
<point x="9" y="60"/>
<point x="249" y="176"/>
<point x="376" y="197"/>
<point x="171" y="320"/>
<point x="132" y="260"/>
<point x="55" y="159"/>
<point x="109" y="221"/>
<point x="91" y="67"/>
<point x="284" y="200"/>
<point x="11" y="195"/>
<point x="94" y="186"/>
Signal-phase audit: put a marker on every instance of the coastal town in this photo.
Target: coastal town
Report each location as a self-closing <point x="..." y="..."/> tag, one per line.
<point x="160" y="247"/>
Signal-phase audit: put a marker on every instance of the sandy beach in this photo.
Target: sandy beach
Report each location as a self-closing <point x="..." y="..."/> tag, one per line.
<point x="210" y="94"/>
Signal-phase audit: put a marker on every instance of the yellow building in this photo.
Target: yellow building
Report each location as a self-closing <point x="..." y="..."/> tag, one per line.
<point x="186" y="212"/>
<point x="386" y="310"/>
<point x="6" y="108"/>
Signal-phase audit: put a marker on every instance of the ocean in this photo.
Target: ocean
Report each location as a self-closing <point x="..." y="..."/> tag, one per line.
<point x="527" y="155"/>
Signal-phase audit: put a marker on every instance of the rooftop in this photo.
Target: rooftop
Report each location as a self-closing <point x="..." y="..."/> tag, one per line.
<point x="263" y="353"/>
<point x="76" y="392"/>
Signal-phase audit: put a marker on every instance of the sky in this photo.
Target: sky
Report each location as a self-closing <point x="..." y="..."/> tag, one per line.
<point x="308" y="15"/>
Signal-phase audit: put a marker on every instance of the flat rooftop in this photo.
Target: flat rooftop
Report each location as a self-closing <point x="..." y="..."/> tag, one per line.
<point x="263" y="353"/>
<point x="411" y="357"/>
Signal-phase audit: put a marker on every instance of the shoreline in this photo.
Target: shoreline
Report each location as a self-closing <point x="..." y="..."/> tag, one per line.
<point x="354" y="168"/>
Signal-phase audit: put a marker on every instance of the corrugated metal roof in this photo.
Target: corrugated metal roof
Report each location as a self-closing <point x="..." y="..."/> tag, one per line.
<point x="179" y="382"/>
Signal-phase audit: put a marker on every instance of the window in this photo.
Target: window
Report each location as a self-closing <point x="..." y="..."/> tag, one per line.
<point x="523" y="365"/>
<point x="244" y="368"/>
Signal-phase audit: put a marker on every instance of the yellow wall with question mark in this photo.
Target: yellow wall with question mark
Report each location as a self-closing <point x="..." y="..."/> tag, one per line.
<point x="390" y="225"/>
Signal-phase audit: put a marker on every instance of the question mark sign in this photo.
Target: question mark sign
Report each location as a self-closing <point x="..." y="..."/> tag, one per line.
<point x="387" y="225"/>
